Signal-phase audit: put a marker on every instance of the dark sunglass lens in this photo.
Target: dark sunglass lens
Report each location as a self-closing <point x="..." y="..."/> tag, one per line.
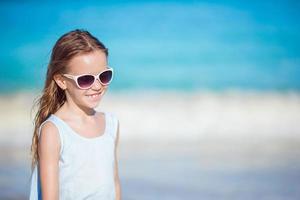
<point x="105" y="77"/>
<point x="85" y="81"/>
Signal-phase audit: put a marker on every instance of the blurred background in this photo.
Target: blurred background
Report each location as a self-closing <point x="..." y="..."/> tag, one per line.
<point x="207" y="93"/>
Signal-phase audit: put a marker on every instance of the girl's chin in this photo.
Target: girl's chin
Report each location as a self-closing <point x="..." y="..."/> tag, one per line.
<point x="93" y="103"/>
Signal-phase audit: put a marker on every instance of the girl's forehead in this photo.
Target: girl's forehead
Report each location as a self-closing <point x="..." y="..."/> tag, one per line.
<point x="91" y="63"/>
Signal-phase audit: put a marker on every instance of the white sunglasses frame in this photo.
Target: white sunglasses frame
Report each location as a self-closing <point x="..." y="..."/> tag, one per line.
<point x="96" y="77"/>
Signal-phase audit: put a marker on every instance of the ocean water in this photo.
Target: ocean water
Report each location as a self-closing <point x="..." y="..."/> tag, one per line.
<point x="160" y="45"/>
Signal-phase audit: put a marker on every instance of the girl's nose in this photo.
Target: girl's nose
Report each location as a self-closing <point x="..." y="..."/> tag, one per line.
<point x="97" y="85"/>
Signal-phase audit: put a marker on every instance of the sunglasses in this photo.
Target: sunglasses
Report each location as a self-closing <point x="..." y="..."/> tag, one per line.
<point x="86" y="81"/>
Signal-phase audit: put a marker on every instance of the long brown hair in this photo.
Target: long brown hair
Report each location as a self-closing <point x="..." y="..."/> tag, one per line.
<point x="70" y="44"/>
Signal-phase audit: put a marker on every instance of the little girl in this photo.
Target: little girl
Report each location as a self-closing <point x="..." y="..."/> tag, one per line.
<point x="74" y="147"/>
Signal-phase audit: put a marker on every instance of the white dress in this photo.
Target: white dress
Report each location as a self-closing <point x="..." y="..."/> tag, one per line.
<point x="86" y="165"/>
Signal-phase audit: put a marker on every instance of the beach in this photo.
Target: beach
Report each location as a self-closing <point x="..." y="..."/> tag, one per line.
<point x="175" y="145"/>
<point x="206" y="93"/>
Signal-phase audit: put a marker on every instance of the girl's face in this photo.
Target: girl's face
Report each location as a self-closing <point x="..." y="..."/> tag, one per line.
<point x="90" y="63"/>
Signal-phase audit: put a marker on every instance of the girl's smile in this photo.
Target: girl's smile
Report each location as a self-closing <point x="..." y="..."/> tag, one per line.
<point x="96" y="96"/>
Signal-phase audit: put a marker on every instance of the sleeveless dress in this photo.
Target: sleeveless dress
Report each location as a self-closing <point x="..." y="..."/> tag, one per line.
<point x="86" y="165"/>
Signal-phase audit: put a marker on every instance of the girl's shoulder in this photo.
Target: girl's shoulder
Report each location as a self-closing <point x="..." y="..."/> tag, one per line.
<point x="48" y="125"/>
<point x="51" y="128"/>
<point x="49" y="136"/>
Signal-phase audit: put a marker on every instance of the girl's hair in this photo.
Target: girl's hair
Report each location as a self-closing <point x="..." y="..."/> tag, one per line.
<point x="69" y="45"/>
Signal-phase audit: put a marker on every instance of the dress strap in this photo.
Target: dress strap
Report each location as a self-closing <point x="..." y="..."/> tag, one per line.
<point x="112" y="123"/>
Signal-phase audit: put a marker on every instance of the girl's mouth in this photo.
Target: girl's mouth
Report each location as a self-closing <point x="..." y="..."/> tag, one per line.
<point x="93" y="96"/>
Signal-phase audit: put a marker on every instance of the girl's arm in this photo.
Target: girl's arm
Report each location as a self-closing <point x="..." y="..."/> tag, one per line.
<point x="48" y="149"/>
<point x="116" y="174"/>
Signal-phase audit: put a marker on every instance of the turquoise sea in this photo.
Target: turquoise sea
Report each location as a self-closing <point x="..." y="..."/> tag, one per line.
<point x="160" y="45"/>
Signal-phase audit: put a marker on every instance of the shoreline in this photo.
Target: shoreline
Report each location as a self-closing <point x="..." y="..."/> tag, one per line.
<point x="175" y="115"/>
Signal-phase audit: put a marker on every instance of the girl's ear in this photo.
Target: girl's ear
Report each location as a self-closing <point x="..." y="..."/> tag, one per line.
<point x="59" y="79"/>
